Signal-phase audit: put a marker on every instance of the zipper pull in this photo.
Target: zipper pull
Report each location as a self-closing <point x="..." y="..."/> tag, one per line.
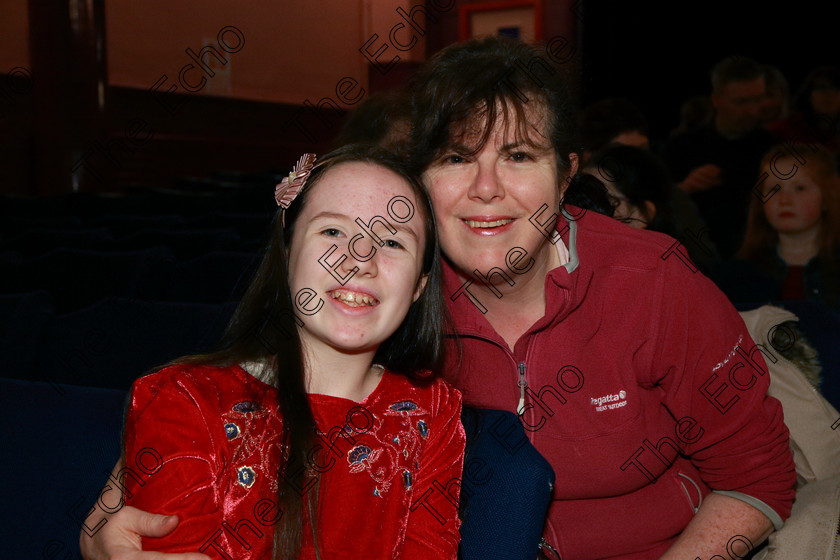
<point x="520" y="410"/>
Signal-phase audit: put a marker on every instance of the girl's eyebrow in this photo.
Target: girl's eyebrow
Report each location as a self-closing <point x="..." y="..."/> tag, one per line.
<point x="405" y="229"/>
<point x="337" y="216"/>
<point x="329" y="215"/>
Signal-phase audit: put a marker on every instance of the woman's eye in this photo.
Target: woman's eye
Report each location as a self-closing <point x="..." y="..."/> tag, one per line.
<point x="520" y="156"/>
<point x="454" y="158"/>
<point x="393" y="244"/>
<point x="331" y="232"/>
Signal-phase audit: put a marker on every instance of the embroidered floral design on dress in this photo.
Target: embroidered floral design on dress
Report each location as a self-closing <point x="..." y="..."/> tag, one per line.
<point x="252" y="445"/>
<point x="403" y="406"/>
<point x="360" y="457"/>
<point x="348" y="429"/>
<point x="408" y="436"/>
<point x="246" y="476"/>
<point x="246" y="406"/>
<point x="398" y="447"/>
<point x="231" y="430"/>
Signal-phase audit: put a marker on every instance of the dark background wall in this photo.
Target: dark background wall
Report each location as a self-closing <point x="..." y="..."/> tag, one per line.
<point x="660" y="53"/>
<point x="655" y="53"/>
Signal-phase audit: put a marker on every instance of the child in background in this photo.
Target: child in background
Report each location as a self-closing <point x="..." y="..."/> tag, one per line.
<point x="791" y="249"/>
<point x="317" y="430"/>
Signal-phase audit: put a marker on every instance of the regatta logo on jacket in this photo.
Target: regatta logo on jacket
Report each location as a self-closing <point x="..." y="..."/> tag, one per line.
<point x="615" y="401"/>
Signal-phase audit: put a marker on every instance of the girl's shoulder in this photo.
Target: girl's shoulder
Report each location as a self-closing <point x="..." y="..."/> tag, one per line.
<point x="398" y="393"/>
<point x="186" y="373"/>
<point x="200" y="383"/>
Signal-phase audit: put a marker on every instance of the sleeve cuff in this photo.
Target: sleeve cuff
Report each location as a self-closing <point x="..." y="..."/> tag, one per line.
<point x="771" y="514"/>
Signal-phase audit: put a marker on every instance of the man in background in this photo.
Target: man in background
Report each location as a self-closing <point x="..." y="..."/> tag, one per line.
<point x="717" y="164"/>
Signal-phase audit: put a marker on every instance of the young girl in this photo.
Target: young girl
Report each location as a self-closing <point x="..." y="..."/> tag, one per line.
<point x="316" y="431"/>
<point x="791" y="247"/>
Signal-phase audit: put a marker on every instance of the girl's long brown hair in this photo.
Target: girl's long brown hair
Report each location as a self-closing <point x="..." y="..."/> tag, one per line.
<point x="761" y="239"/>
<point x="264" y="329"/>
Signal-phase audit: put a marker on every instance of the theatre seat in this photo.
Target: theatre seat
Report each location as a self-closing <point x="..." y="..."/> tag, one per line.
<point x="78" y="278"/>
<point x="122" y="225"/>
<point x="14" y="225"/>
<point x="23" y="322"/>
<point x="39" y="241"/>
<point x="253" y="228"/>
<point x="111" y="343"/>
<point x="59" y="443"/>
<point x="217" y="277"/>
<point x="185" y="244"/>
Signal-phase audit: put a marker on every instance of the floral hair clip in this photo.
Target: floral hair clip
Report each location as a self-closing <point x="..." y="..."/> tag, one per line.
<point x="290" y="186"/>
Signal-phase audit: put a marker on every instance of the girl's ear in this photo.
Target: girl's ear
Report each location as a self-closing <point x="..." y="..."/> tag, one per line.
<point x="421" y="285"/>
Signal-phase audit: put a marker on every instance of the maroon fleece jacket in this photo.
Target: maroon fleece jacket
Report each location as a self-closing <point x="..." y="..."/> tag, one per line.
<point x="644" y="391"/>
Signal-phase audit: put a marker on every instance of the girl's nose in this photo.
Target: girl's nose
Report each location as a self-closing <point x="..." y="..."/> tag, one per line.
<point x="361" y="254"/>
<point x="785" y="196"/>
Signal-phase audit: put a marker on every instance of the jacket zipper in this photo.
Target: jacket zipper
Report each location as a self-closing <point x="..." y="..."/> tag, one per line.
<point x="520" y="410"/>
<point x="523" y="384"/>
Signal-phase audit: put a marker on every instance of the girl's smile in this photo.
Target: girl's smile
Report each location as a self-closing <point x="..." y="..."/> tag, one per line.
<point x="354" y="299"/>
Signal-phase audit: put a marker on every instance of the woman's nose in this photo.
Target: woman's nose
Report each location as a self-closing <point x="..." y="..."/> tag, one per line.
<point x="487" y="183"/>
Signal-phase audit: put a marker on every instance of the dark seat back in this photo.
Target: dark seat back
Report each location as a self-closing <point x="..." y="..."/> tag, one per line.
<point x="113" y="342"/>
<point x="59" y="445"/>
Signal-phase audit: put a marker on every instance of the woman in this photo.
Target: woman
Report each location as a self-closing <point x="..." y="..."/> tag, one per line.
<point x="587" y="329"/>
<point x="640" y="185"/>
<point x="817" y="111"/>
<point x="646" y="198"/>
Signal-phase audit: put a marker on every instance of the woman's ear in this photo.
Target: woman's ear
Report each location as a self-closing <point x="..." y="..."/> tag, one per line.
<point x="421" y="285"/>
<point x="573" y="169"/>
<point x="650" y="210"/>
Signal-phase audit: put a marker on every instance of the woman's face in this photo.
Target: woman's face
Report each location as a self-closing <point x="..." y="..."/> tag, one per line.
<point x="826" y="101"/>
<point x="797" y="206"/>
<point x="625" y="211"/>
<point x="486" y="203"/>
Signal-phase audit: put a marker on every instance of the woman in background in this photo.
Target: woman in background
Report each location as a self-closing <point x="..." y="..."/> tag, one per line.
<point x="646" y="198"/>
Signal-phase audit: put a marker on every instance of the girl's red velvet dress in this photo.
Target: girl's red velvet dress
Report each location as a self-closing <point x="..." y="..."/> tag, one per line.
<point x="202" y="442"/>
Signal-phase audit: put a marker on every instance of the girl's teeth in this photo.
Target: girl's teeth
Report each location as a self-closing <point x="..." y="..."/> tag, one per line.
<point x="495" y="223"/>
<point x="353" y="299"/>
